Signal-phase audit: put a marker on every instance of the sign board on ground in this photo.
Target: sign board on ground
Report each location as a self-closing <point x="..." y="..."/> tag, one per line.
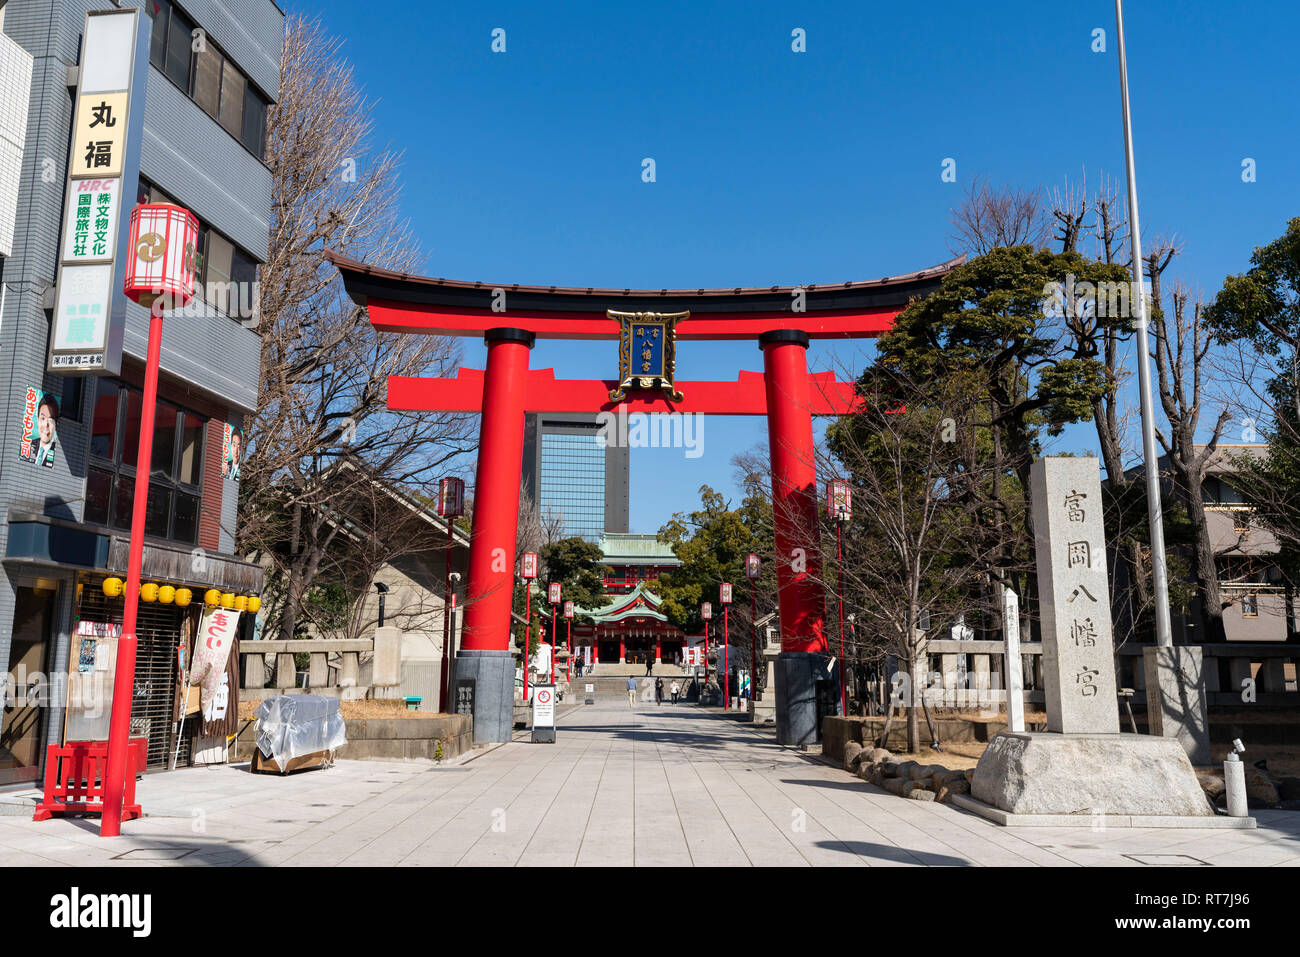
<point x="544" y="714"/>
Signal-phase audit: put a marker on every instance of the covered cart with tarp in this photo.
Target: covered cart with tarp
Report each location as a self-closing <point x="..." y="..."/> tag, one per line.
<point x="297" y="731"/>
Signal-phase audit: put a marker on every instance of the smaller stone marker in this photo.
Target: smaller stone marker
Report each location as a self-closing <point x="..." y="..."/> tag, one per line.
<point x="1011" y="660"/>
<point x="1074" y="597"/>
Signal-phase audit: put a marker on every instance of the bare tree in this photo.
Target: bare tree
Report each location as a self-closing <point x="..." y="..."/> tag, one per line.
<point x="989" y="217"/>
<point x="1183" y="342"/>
<point x="918" y="476"/>
<point x="324" y="369"/>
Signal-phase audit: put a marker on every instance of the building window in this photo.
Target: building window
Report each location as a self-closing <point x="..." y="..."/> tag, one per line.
<point x="172" y="510"/>
<point x="1250" y="605"/>
<point x="207" y="76"/>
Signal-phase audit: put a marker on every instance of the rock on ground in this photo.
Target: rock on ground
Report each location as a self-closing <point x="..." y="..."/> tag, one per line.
<point x="916" y="794"/>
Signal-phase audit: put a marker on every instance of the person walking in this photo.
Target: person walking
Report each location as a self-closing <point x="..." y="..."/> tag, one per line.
<point x="631" y="692"/>
<point x="578" y="665"/>
<point x="676" y="689"/>
<point x="649" y="665"/>
<point x="659" y="691"/>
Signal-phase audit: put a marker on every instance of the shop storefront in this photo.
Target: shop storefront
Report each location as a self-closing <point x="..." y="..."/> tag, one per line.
<point x="66" y="631"/>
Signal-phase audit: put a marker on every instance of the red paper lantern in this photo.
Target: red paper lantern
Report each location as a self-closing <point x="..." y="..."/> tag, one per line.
<point x="162" y="255"/>
<point x="528" y="565"/>
<point x="724" y="593"/>
<point x="568" y="609"/>
<point x="839" y="500"/>
<point x="451" y="497"/>
<point x="553" y="592"/>
<point x="706" y="610"/>
<point x="753" y="567"/>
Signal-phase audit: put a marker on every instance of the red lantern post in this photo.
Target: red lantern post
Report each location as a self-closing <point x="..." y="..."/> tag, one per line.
<point x="451" y="504"/>
<point x="553" y="593"/>
<point x="706" y="612"/>
<point x="839" y="503"/>
<point x="568" y="637"/>
<point x="528" y="572"/>
<point x="724" y="596"/>
<point x="159" y="275"/>
<point x="753" y="568"/>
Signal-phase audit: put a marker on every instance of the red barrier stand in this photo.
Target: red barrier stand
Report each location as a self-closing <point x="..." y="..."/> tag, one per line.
<point x="74" y="779"/>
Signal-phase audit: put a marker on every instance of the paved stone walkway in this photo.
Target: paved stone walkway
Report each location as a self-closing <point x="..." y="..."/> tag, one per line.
<point x="671" y="786"/>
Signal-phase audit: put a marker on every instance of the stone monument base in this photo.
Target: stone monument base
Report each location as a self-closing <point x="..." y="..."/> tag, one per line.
<point x="796" y="679"/>
<point x="493" y="673"/>
<point x="1086" y="777"/>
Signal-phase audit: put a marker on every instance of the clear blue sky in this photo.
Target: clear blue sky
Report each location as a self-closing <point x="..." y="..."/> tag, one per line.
<point x="783" y="167"/>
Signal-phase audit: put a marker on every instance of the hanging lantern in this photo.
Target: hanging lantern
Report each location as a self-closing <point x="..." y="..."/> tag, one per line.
<point x="162" y="255"/>
<point x="724" y="593"/>
<point x="183" y="597"/>
<point x="112" y="587"/>
<point x="753" y="567"/>
<point x="553" y="593"/>
<point x="148" y="592"/>
<point x="451" y="497"/>
<point x="839" y="500"/>
<point x="241" y="603"/>
<point x="228" y="599"/>
<point x="254" y="604"/>
<point x="528" y="565"/>
<point x="212" y="598"/>
<point x="568" y="609"/>
<point x="166" y="594"/>
<point x="706" y="610"/>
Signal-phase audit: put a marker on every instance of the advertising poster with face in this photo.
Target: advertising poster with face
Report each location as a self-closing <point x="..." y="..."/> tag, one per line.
<point x="40" y="426"/>
<point x="232" y="450"/>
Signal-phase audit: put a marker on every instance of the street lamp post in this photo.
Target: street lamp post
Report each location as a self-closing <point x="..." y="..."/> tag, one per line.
<point x="159" y="274"/>
<point x="753" y="568"/>
<point x="553" y="593"/>
<point x="706" y="612"/>
<point x="724" y="597"/>
<point x="451" y="505"/>
<point x="528" y="572"/>
<point x="1159" y="572"/>
<point x="839" y="503"/>
<point x="568" y="637"/>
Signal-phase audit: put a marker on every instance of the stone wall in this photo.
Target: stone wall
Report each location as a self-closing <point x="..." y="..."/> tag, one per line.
<point x="836" y="732"/>
<point x="393" y="739"/>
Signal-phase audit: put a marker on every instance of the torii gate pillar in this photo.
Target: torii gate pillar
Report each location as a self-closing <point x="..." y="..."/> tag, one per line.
<point x="484" y="653"/>
<point x="804" y="661"/>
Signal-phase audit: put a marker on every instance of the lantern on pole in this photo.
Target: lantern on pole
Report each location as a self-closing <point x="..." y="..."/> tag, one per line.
<point x="451" y="504"/>
<point x="839" y="505"/>
<point x="753" y="568"/>
<point x="568" y="635"/>
<point x="528" y="572"/>
<point x="553" y="595"/>
<point x="158" y="274"/>
<point x="706" y="612"/>
<point x="724" y="596"/>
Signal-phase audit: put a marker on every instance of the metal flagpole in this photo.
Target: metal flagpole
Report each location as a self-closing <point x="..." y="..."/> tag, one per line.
<point x="1159" y="573"/>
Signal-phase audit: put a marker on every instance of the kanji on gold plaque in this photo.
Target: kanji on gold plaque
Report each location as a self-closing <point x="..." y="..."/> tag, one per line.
<point x="99" y="135"/>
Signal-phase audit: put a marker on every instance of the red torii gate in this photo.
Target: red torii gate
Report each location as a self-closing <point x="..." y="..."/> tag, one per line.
<point x="510" y="318"/>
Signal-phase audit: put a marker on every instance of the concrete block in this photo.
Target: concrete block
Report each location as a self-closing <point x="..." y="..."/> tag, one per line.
<point x="1175" y="692"/>
<point x="494" y="676"/>
<point x="388" y="657"/>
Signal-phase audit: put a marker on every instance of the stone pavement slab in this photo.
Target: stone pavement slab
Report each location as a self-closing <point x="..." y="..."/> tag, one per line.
<point x="653" y="786"/>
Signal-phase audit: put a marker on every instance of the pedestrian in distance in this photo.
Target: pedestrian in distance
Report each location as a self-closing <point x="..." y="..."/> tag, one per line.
<point x="649" y="665"/>
<point x="676" y="690"/>
<point x="659" y="691"/>
<point x="631" y="692"/>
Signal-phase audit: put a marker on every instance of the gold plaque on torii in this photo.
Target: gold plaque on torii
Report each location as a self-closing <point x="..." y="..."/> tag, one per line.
<point x="647" y="353"/>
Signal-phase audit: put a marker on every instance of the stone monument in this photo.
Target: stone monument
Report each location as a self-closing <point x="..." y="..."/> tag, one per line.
<point x="1082" y="767"/>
